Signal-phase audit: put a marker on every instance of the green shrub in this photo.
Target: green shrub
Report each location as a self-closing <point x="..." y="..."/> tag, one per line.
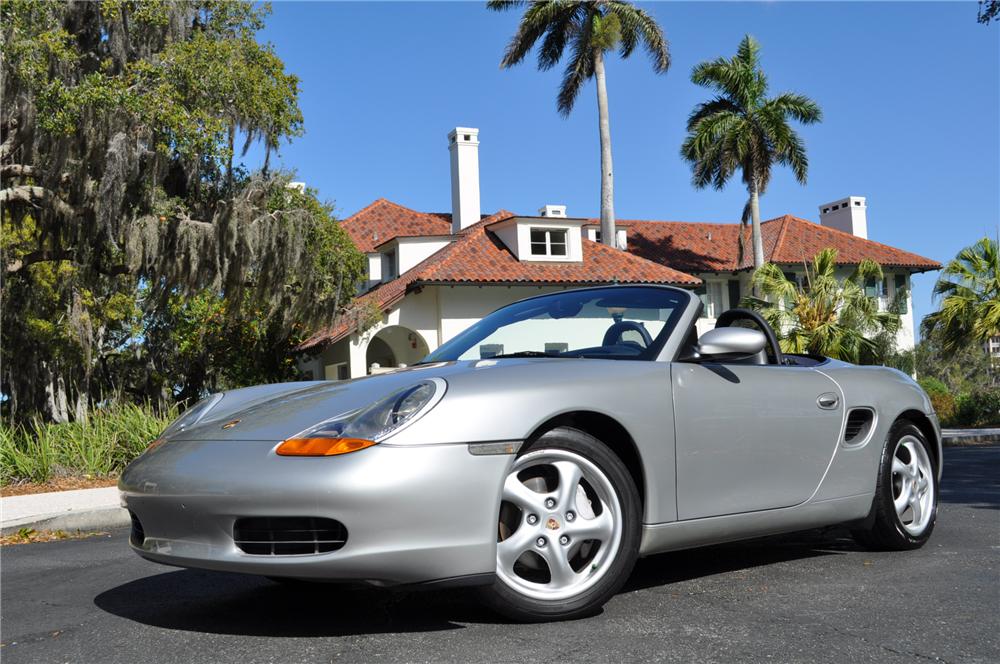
<point x="100" y="446"/>
<point x="941" y="398"/>
<point x="979" y="408"/>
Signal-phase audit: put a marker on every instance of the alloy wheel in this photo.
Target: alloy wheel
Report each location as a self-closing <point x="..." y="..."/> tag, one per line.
<point x="912" y="485"/>
<point x="560" y="525"/>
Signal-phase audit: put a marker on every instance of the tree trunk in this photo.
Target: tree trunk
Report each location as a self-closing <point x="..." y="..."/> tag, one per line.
<point x="56" y="402"/>
<point x="758" y="243"/>
<point x="607" y="172"/>
<point x="229" y="167"/>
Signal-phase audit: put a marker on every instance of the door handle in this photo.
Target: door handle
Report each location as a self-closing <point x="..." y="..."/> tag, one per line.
<point x="827" y="401"/>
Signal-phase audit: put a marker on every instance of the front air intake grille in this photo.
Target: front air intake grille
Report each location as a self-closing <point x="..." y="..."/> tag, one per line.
<point x="859" y="423"/>
<point x="288" y="535"/>
<point x="138" y="535"/>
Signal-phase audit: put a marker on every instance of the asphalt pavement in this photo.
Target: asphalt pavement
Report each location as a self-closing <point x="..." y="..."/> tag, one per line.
<point x="809" y="597"/>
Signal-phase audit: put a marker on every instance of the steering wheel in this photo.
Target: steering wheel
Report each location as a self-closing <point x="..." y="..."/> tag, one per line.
<point x="727" y="318"/>
<point x="613" y="336"/>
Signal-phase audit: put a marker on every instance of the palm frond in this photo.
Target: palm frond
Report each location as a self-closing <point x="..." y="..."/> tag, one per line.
<point x="796" y="106"/>
<point x="638" y="26"/>
<point x="560" y="31"/>
<point x="578" y="70"/>
<point x="536" y="22"/>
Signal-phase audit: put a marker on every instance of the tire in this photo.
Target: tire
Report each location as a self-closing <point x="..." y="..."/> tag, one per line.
<point x="907" y="463"/>
<point x="590" y="527"/>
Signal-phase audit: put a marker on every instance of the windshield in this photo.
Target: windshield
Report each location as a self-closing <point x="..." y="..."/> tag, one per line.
<point x="617" y="322"/>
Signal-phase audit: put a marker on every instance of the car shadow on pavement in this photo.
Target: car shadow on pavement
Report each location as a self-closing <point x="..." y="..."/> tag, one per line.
<point x="668" y="568"/>
<point x="224" y="603"/>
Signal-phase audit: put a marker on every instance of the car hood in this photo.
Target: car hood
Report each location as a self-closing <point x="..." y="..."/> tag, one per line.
<point x="278" y="411"/>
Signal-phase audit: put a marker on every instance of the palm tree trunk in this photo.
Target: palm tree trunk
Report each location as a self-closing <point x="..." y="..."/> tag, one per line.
<point x="758" y="243"/>
<point x="607" y="175"/>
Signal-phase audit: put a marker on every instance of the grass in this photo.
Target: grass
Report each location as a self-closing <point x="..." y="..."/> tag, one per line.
<point x="100" y="446"/>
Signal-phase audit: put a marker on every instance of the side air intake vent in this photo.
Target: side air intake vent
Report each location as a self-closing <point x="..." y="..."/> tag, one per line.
<point x="288" y="535"/>
<point x="859" y="423"/>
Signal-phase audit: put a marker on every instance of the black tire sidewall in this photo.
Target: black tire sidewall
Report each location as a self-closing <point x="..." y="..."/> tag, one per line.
<point x="509" y="602"/>
<point x="888" y="529"/>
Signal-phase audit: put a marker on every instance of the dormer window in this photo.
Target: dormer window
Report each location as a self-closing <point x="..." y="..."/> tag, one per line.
<point x="548" y="242"/>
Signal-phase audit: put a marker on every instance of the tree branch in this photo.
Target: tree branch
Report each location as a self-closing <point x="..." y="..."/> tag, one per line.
<point x="40" y="256"/>
<point x="16" y="171"/>
<point x="35" y="195"/>
<point x="51" y="255"/>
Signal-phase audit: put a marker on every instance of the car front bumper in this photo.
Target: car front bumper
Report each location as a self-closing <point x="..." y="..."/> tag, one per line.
<point x="413" y="514"/>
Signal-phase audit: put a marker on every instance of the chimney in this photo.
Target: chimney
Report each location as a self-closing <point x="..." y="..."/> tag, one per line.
<point x="552" y="211"/>
<point x="848" y="215"/>
<point x="463" y="143"/>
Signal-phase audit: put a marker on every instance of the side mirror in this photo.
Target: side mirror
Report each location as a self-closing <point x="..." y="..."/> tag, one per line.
<point x="729" y="343"/>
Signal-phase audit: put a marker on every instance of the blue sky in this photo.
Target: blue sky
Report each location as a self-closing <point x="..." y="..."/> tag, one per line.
<point x="910" y="94"/>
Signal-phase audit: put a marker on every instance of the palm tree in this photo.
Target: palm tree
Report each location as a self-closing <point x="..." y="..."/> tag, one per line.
<point x="825" y="315"/>
<point x="742" y="129"/>
<point x="590" y="30"/>
<point x="969" y="289"/>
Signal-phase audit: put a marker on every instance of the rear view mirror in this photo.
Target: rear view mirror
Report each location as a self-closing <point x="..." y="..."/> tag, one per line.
<point x="730" y="343"/>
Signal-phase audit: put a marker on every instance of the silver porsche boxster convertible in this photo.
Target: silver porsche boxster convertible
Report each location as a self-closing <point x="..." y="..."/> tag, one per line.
<point x="540" y="452"/>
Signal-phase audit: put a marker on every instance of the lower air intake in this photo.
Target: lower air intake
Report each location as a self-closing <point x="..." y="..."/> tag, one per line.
<point x="288" y="535"/>
<point x="138" y="535"/>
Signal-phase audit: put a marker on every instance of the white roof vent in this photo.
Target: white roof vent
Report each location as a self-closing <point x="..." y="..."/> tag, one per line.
<point x="552" y="211"/>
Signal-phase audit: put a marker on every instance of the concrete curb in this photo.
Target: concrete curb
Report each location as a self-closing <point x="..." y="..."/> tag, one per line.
<point x="95" y="519"/>
<point x="80" y="509"/>
<point x="959" y="437"/>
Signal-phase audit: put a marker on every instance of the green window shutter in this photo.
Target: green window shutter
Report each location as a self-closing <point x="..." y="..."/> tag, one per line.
<point x="871" y="288"/>
<point x="900" y="281"/>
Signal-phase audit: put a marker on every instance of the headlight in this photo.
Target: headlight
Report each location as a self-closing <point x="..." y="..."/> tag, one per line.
<point x="192" y="415"/>
<point x="188" y="419"/>
<point x="368" y="426"/>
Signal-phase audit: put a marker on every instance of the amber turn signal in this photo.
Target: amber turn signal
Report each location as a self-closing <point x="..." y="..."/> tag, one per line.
<point x="322" y="446"/>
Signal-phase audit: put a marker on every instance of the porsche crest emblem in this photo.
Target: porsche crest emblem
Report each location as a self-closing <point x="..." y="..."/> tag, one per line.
<point x="552" y="524"/>
<point x="230" y="424"/>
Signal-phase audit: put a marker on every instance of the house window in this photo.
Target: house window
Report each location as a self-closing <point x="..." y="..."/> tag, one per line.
<point x="900" y="284"/>
<point x="548" y="242"/>
<point x="487" y="351"/>
<point x="875" y="287"/>
<point x="556" y="347"/>
<point x="711" y="299"/>
<point x="389" y="266"/>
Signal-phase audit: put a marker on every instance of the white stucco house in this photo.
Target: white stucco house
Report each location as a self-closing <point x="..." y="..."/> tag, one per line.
<point x="431" y="274"/>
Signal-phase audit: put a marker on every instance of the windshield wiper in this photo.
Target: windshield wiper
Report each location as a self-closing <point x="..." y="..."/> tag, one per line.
<point x="521" y="353"/>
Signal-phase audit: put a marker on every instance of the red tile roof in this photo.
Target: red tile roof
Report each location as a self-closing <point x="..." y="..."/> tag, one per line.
<point x="800" y="240"/>
<point x="702" y="247"/>
<point x="384" y="220"/>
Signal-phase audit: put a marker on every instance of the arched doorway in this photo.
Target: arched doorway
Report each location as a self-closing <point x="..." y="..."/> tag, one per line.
<point x="394" y="346"/>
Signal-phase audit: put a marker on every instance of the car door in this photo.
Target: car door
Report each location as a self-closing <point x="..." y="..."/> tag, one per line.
<point x="751" y="437"/>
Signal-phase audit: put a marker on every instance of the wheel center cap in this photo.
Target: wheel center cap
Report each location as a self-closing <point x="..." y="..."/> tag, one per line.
<point x="552" y="524"/>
